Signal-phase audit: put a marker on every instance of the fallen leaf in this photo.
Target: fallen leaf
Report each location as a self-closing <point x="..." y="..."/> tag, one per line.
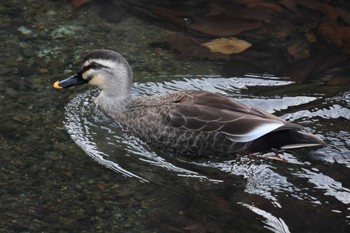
<point x="282" y="29"/>
<point x="344" y="14"/>
<point x="252" y="13"/>
<point x="169" y="17"/>
<point x="245" y="2"/>
<point x="223" y="25"/>
<point x="336" y="35"/>
<point x="329" y="11"/>
<point x="299" y="49"/>
<point x="79" y="3"/>
<point x="311" y="4"/>
<point x="330" y="33"/>
<point x="228" y="46"/>
<point x="217" y="9"/>
<point x="290" y="5"/>
<point x="269" y="5"/>
<point x="188" y="47"/>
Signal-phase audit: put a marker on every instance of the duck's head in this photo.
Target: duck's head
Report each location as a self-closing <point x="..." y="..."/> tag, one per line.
<point x="103" y="68"/>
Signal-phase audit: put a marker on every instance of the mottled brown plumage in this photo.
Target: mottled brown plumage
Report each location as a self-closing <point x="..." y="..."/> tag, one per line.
<point x="186" y="123"/>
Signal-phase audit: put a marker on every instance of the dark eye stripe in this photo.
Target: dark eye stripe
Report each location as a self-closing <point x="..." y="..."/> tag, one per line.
<point x="92" y="65"/>
<point x="95" y="65"/>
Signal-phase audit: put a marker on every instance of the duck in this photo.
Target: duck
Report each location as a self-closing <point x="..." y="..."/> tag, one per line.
<point x="188" y="123"/>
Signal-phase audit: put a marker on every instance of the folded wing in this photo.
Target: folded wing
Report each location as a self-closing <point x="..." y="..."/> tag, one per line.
<point x="208" y="112"/>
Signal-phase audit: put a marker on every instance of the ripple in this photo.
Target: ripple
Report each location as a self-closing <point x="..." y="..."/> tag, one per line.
<point x="275" y="224"/>
<point x="332" y="112"/>
<point x="215" y="84"/>
<point x="115" y="148"/>
<point x="329" y="185"/>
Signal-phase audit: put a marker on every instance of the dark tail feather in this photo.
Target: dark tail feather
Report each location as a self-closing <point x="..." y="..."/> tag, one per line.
<point x="303" y="139"/>
<point x="285" y="139"/>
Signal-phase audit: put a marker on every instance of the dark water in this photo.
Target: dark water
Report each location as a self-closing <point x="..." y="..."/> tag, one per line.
<point x="106" y="180"/>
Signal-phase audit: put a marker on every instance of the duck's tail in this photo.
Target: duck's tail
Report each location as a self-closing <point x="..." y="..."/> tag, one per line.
<point x="285" y="139"/>
<point x="302" y="139"/>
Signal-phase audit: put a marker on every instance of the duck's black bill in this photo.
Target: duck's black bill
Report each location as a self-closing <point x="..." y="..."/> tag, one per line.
<point x="74" y="80"/>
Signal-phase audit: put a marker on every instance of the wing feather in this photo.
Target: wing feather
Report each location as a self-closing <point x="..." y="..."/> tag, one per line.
<point x="209" y="112"/>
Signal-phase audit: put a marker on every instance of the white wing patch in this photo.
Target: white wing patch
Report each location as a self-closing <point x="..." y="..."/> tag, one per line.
<point x="255" y="133"/>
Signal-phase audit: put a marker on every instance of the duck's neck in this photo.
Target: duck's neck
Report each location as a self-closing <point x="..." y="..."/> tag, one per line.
<point x="113" y="104"/>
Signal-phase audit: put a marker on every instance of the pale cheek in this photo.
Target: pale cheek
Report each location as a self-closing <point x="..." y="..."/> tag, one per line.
<point x="87" y="74"/>
<point x="97" y="80"/>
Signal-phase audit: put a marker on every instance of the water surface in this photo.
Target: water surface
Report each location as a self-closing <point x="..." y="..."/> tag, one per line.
<point x="302" y="179"/>
<point x="66" y="167"/>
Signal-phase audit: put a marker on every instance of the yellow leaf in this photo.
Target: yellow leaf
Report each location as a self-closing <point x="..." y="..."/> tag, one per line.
<point x="230" y="45"/>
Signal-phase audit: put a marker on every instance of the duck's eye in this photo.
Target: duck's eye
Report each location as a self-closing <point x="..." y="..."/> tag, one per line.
<point x="94" y="65"/>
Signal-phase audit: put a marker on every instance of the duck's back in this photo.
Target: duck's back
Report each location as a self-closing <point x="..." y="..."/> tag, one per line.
<point x="167" y="123"/>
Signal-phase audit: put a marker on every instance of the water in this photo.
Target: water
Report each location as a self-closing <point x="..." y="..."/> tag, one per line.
<point x="277" y="183"/>
<point x="66" y="167"/>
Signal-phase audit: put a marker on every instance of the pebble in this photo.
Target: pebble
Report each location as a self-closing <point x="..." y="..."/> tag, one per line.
<point x="24" y="30"/>
<point x="99" y="210"/>
<point x="65" y="31"/>
<point x="10" y="92"/>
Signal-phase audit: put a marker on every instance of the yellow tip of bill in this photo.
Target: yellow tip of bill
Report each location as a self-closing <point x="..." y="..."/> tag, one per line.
<point x="56" y="85"/>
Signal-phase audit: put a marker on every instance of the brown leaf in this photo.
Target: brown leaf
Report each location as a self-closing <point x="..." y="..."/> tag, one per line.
<point x="282" y="29"/>
<point x="228" y="46"/>
<point x="170" y="17"/>
<point x="338" y="36"/>
<point x="299" y="49"/>
<point x="325" y="8"/>
<point x="312" y="4"/>
<point x="269" y="5"/>
<point x="218" y="9"/>
<point x="344" y="14"/>
<point x="188" y="47"/>
<point x="291" y="5"/>
<point x="224" y="25"/>
<point x="329" y="11"/>
<point x="253" y="10"/>
<point x="178" y="41"/>
<point x="79" y="3"/>
<point x="329" y="31"/>
<point x="245" y="2"/>
<point x="253" y="13"/>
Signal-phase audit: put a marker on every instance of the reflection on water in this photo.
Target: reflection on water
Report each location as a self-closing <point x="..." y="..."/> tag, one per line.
<point x="281" y="184"/>
<point x="272" y="223"/>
